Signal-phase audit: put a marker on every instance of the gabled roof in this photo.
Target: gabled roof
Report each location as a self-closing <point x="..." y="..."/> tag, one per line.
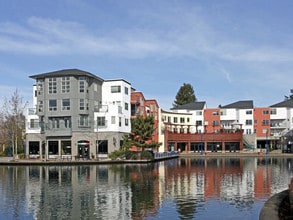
<point x="246" y="104"/>
<point x="65" y="72"/>
<point x="191" y="106"/>
<point x="287" y="104"/>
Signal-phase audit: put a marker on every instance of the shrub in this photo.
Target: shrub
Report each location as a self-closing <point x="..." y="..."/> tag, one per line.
<point x="146" y="155"/>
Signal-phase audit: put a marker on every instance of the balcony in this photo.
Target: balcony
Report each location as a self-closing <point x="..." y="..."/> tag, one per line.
<point x="101" y="108"/>
<point x="32" y="111"/>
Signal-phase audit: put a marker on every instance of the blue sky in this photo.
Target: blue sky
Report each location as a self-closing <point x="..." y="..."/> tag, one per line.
<point x="228" y="50"/>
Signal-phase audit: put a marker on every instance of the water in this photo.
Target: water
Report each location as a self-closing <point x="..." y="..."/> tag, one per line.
<point x="224" y="188"/>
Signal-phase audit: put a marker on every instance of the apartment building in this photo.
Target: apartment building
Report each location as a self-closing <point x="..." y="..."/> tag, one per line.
<point x="145" y="107"/>
<point x="193" y="127"/>
<point x="77" y="114"/>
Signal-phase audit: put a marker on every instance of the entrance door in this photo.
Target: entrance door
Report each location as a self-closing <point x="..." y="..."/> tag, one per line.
<point x="83" y="149"/>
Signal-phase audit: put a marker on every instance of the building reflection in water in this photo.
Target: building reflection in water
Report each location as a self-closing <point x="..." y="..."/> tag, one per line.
<point x="138" y="191"/>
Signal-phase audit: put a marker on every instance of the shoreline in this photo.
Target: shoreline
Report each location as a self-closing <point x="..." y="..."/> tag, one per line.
<point x="30" y="162"/>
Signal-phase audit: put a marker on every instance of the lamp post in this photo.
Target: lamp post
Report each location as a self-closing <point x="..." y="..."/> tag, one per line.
<point x="267" y="142"/>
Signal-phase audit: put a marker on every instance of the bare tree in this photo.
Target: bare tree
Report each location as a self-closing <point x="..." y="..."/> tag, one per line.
<point x="14" y="121"/>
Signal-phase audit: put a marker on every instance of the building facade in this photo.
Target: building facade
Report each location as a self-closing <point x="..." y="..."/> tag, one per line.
<point x="72" y="118"/>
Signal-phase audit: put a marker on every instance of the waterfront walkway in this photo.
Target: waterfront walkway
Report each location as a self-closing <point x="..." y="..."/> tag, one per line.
<point x="165" y="156"/>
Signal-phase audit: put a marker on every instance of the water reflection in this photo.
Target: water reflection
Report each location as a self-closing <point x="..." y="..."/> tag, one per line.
<point x="223" y="188"/>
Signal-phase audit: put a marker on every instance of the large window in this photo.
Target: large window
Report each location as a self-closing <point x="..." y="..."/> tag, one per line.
<point x="126" y="90"/>
<point x="66" y="147"/>
<point x="81" y="104"/>
<point x="101" y="121"/>
<point x="82" y="81"/>
<point x="65" y="104"/>
<point x="53" y="147"/>
<point x="34" y="123"/>
<point x="39" y="87"/>
<point x="83" y="120"/>
<point x="265" y="122"/>
<point x="115" y="89"/>
<point x="273" y="111"/>
<point x="52" y="105"/>
<point x="265" y="112"/>
<point x="65" y="85"/>
<point x="52" y="85"/>
<point x="102" y="146"/>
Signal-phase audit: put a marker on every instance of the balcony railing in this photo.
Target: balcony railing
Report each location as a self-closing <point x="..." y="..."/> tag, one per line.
<point x="32" y="111"/>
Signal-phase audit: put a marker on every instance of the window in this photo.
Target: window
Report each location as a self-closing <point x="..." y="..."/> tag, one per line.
<point x="265" y="112"/>
<point x="126" y="121"/>
<point x="65" y="84"/>
<point x="83" y="121"/>
<point x="188" y="119"/>
<point x="52" y="85"/>
<point x="249" y="112"/>
<point x="182" y="120"/>
<point x="81" y="104"/>
<point x="126" y="90"/>
<point x="223" y="112"/>
<point x="115" y="89"/>
<point x="248" y="122"/>
<point x="65" y="104"/>
<point x="82" y="80"/>
<point x="67" y="122"/>
<point x="120" y="122"/>
<point x="175" y="119"/>
<point x="126" y="106"/>
<point x="169" y="119"/>
<point x="198" y="113"/>
<point x="255" y="122"/>
<point x="101" y="121"/>
<point x="215" y="123"/>
<point x="273" y="111"/>
<point x="199" y="123"/>
<point x="113" y="120"/>
<point x="34" y="123"/>
<point x="54" y="123"/>
<point x="52" y="105"/>
<point x="215" y="113"/>
<point x="248" y="131"/>
<point x="39" y="87"/>
<point x="40" y="106"/>
<point x="265" y="122"/>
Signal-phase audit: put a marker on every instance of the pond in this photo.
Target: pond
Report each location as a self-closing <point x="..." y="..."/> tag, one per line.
<point x="192" y="188"/>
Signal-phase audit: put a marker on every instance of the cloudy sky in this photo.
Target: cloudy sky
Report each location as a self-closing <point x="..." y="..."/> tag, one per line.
<point x="228" y="50"/>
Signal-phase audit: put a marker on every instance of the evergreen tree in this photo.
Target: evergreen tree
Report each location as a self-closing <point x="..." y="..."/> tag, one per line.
<point x="185" y="95"/>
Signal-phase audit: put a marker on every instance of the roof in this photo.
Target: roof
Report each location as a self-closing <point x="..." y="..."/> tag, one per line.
<point x="191" y="106"/>
<point x="287" y="104"/>
<point x="246" y="104"/>
<point x="65" y="72"/>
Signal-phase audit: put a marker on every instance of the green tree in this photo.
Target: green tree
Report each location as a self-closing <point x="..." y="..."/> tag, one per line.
<point x="142" y="130"/>
<point x="185" y="95"/>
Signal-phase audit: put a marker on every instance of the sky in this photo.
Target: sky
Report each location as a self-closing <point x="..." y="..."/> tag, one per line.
<point x="228" y="50"/>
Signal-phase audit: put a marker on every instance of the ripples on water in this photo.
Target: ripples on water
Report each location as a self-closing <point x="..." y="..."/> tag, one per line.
<point x="224" y="188"/>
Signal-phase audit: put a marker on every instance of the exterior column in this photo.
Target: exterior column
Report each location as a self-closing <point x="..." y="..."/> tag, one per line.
<point x="223" y="147"/>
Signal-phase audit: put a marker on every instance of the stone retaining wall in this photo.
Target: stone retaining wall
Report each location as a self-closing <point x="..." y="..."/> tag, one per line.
<point x="279" y="206"/>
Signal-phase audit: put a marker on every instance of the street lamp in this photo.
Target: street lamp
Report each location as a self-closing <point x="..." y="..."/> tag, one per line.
<point x="267" y="142"/>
